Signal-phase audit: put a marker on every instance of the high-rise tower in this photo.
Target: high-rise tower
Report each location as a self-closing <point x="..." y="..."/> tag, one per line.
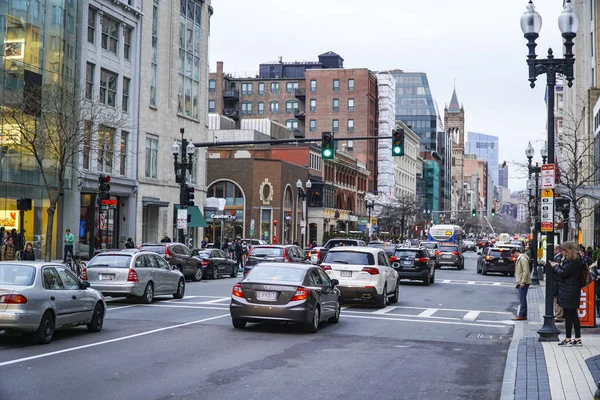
<point x="454" y="124"/>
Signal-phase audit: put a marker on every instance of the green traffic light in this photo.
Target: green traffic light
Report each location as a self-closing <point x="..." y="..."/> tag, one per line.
<point x="397" y="150"/>
<point x="326" y="153"/>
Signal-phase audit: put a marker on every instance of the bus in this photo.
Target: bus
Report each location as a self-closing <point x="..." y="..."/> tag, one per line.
<point x="446" y="233"/>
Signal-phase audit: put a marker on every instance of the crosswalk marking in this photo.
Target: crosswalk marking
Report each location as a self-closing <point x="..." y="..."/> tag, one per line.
<point x="471" y="315"/>
<point x="471" y="283"/>
<point x="428" y="312"/>
<point x="497" y="283"/>
<point x="385" y="310"/>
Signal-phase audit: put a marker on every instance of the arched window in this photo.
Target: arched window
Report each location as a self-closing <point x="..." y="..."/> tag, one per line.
<point x="229" y="191"/>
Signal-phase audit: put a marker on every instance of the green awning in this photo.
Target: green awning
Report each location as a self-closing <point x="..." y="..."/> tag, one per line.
<point x="196" y="219"/>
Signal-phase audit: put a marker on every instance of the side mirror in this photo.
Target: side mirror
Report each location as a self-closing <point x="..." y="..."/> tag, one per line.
<point x="395" y="265"/>
<point x="334" y="282"/>
<point x="85" y="284"/>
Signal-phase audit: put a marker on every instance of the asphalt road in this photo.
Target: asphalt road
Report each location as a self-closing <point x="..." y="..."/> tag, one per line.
<point x="445" y="341"/>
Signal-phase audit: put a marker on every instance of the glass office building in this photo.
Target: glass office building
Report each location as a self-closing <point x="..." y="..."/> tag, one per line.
<point x="416" y="107"/>
<point x="40" y="45"/>
<point x="485" y="147"/>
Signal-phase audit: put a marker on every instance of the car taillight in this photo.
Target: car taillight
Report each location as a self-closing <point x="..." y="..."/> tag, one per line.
<point x="13" y="299"/>
<point x="455" y="253"/>
<point x="301" y="294"/>
<point x="325" y="267"/>
<point x="513" y="259"/>
<point x="423" y="259"/>
<point x="204" y="263"/>
<point x="285" y="258"/>
<point x="167" y="252"/>
<point x="437" y="253"/>
<point x="393" y="258"/>
<point x="132" y="276"/>
<point x="371" y="270"/>
<point x="84" y="274"/>
<point x="488" y="258"/>
<point x="237" y="291"/>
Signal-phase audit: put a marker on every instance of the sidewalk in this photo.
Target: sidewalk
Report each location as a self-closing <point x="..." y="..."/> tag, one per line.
<point x="544" y="370"/>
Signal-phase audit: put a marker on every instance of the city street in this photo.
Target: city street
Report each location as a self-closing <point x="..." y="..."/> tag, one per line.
<point x="448" y="340"/>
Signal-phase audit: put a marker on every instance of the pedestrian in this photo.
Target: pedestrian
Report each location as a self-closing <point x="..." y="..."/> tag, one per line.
<point x="523" y="278"/>
<point x="239" y="254"/>
<point x="203" y="243"/>
<point x="69" y="242"/>
<point x="313" y="244"/>
<point x="558" y="311"/>
<point x="15" y="236"/>
<point x="129" y="243"/>
<point x="590" y="253"/>
<point x="570" y="273"/>
<point x="166" y="239"/>
<point x="8" y="251"/>
<point x="27" y="254"/>
<point x="5" y="237"/>
<point x="582" y="253"/>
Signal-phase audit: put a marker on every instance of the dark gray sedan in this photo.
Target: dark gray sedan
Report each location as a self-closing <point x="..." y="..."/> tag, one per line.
<point x="286" y="292"/>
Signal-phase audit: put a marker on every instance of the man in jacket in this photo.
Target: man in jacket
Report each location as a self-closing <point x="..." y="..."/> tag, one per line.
<point x="8" y="251"/>
<point x="69" y="239"/>
<point x="523" y="278"/>
<point x="239" y="254"/>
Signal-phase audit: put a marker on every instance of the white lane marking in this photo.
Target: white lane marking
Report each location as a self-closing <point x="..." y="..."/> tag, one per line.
<point x="119" y="307"/>
<point x="471" y="315"/>
<point x="471" y="283"/>
<point x="345" y="307"/>
<point x="200" y="303"/>
<point x="402" y="347"/>
<point x="446" y="281"/>
<point x="497" y="283"/>
<point x="457" y="309"/>
<point x="216" y="300"/>
<point x="384" y="310"/>
<point x="404" y="315"/>
<point x="428" y="312"/>
<point x="119" y="339"/>
<point x="424" y="321"/>
<point x="207" y="307"/>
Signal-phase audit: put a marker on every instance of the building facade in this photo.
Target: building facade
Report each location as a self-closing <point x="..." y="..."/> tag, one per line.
<point x="172" y="97"/>
<point x="503" y="175"/>
<point x="485" y="147"/>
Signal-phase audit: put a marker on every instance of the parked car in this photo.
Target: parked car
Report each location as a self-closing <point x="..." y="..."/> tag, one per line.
<point x="495" y="259"/>
<point x="336" y="242"/>
<point x="274" y="253"/>
<point x="303" y="294"/>
<point x="450" y="255"/>
<point x="40" y="297"/>
<point x="364" y="274"/>
<point x="387" y="247"/>
<point x="483" y="243"/>
<point x="215" y="263"/>
<point x="142" y="275"/>
<point x="414" y="264"/>
<point x="469" y="245"/>
<point x="178" y="255"/>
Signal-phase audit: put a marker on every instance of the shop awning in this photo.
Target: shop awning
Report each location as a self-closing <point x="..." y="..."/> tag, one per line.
<point x="196" y="219"/>
<point x="154" y="202"/>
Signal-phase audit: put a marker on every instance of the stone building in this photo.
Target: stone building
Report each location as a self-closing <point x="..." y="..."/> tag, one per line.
<point x="454" y="123"/>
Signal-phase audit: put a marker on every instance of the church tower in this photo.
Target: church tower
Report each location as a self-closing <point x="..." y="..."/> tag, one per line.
<point x="454" y="124"/>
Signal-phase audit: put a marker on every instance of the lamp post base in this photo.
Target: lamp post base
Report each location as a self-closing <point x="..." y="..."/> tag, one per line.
<point x="535" y="277"/>
<point x="548" y="332"/>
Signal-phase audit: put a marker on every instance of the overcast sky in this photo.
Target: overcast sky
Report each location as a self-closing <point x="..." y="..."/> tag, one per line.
<point x="478" y="43"/>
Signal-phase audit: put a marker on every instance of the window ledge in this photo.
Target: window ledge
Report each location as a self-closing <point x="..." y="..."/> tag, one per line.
<point x="188" y="118"/>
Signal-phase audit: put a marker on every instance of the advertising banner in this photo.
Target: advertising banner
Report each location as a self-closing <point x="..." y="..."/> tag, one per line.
<point x="9" y="219"/>
<point x="587" y="310"/>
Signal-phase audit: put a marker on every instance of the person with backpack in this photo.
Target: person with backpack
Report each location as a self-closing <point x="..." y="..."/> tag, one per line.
<point x="8" y="251"/>
<point x="573" y="274"/>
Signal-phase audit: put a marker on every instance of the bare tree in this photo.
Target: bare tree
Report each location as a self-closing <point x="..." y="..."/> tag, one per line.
<point x="396" y="215"/>
<point x="46" y="123"/>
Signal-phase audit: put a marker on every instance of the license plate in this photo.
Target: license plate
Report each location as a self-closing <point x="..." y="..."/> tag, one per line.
<point x="107" y="277"/>
<point x="346" y="274"/>
<point x="266" y="296"/>
<point x="500" y="261"/>
<point x="446" y="256"/>
<point x="407" y="263"/>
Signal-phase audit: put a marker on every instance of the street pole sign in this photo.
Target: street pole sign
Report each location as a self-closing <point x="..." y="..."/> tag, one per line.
<point x="182" y="219"/>
<point x="547" y="220"/>
<point x="548" y="176"/>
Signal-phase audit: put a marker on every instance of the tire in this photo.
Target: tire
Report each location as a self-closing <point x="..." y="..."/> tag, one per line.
<point x="238" y="323"/>
<point x="45" y="332"/>
<point x="426" y="279"/>
<point x="478" y="270"/>
<point x="432" y="278"/>
<point x="313" y="326"/>
<point x="148" y="295"/>
<point x="484" y="270"/>
<point x="215" y="273"/>
<point x="180" y="289"/>
<point x="383" y="300"/>
<point x="197" y="275"/>
<point x="234" y="271"/>
<point x="338" y="309"/>
<point x="97" y="321"/>
<point x="396" y="295"/>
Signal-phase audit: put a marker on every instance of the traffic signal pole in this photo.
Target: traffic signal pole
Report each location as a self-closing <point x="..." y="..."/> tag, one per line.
<point x="281" y="141"/>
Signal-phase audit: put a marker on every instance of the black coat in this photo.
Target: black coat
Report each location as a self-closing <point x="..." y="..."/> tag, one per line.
<point x="570" y="289"/>
<point x="26" y="255"/>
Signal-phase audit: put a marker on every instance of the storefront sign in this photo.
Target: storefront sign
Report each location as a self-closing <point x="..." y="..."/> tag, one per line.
<point x="110" y="203"/>
<point x="587" y="309"/>
<point x="352" y="218"/>
<point x="222" y="216"/>
<point x="9" y="219"/>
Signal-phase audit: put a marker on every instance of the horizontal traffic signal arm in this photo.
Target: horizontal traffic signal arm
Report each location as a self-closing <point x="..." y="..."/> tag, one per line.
<point x="282" y="141"/>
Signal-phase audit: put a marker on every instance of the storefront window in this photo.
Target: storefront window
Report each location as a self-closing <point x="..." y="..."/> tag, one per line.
<point x="265" y="225"/>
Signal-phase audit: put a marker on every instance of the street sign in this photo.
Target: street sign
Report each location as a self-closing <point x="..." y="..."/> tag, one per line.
<point x="540" y="253"/>
<point x="548" y="176"/>
<point x="182" y="219"/>
<point x="547" y="221"/>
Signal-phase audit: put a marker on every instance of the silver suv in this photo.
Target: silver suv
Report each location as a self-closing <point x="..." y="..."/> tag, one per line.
<point x="450" y="255"/>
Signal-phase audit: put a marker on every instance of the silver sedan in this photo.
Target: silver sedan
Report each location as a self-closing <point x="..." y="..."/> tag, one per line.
<point x="40" y="297"/>
<point x="142" y="275"/>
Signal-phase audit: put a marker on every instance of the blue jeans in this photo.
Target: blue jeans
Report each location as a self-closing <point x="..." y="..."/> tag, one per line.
<point x="523" y="300"/>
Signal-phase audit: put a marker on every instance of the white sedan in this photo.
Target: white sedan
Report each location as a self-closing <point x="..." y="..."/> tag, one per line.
<point x="364" y="274"/>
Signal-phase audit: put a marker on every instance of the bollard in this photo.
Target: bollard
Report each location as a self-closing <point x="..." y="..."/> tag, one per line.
<point x="597" y="394"/>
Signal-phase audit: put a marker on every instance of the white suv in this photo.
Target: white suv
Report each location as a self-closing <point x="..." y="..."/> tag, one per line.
<point x="364" y="274"/>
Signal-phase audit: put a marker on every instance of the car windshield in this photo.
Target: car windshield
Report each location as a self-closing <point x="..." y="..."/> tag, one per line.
<point x="349" y="257"/>
<point x="267" y="252"/>
<point x="110" y="260"/>
<point x="264" y="273"/>
<point x="408" y="253"/>
<point x="428" y="245"/>
<point x="448" y="249"/>
<point x="338" y="243"/>
<point x="155" y="249"/>
<point x="16" y="275"/>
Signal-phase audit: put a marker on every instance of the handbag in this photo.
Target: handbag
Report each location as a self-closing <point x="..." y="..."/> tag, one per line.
<point x="585" y="278"/>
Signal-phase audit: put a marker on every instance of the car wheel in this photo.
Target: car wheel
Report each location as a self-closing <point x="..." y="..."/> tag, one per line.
<point x="426" y="279"/>
<point x="338" y="309"/>
<point x="484" y="270"/>
<point x="148" y="295"/>
<point x="383" y="300"/>
<point x="180" y="289"/>
<point x="432" y="278"/>
<point x="238" y="323"/>
<point x="313" y="326"/>
<point x="215" y="273"/>
<point x="45" y="332"/>
<point x="396" y="294"/>
<point x="198" y="275"/>
<point x="478" y="270"/>
<point x="234" y="271"/>
<point x="97" y="321"/>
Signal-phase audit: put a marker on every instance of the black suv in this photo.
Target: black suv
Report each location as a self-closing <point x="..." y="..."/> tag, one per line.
<point x="274" y="253"/>
<point x="494" y="259"/>
<point x="179" y="256"/>
<point x="414" y="264"/>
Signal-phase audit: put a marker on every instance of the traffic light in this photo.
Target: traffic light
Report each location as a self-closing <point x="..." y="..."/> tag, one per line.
<point x="104" y="186"/>
<point x="493" y="212"/>
<point x="398" y="142"/>
<point x="473" y="213"/>
<point x="23" y="204"/>
<point x="188" y="196"/>
<point x="327" y="150"/>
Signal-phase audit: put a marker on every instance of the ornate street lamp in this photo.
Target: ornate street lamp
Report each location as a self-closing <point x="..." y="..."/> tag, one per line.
<point x="302" y="193"/>
<point x="182" y="166"/>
